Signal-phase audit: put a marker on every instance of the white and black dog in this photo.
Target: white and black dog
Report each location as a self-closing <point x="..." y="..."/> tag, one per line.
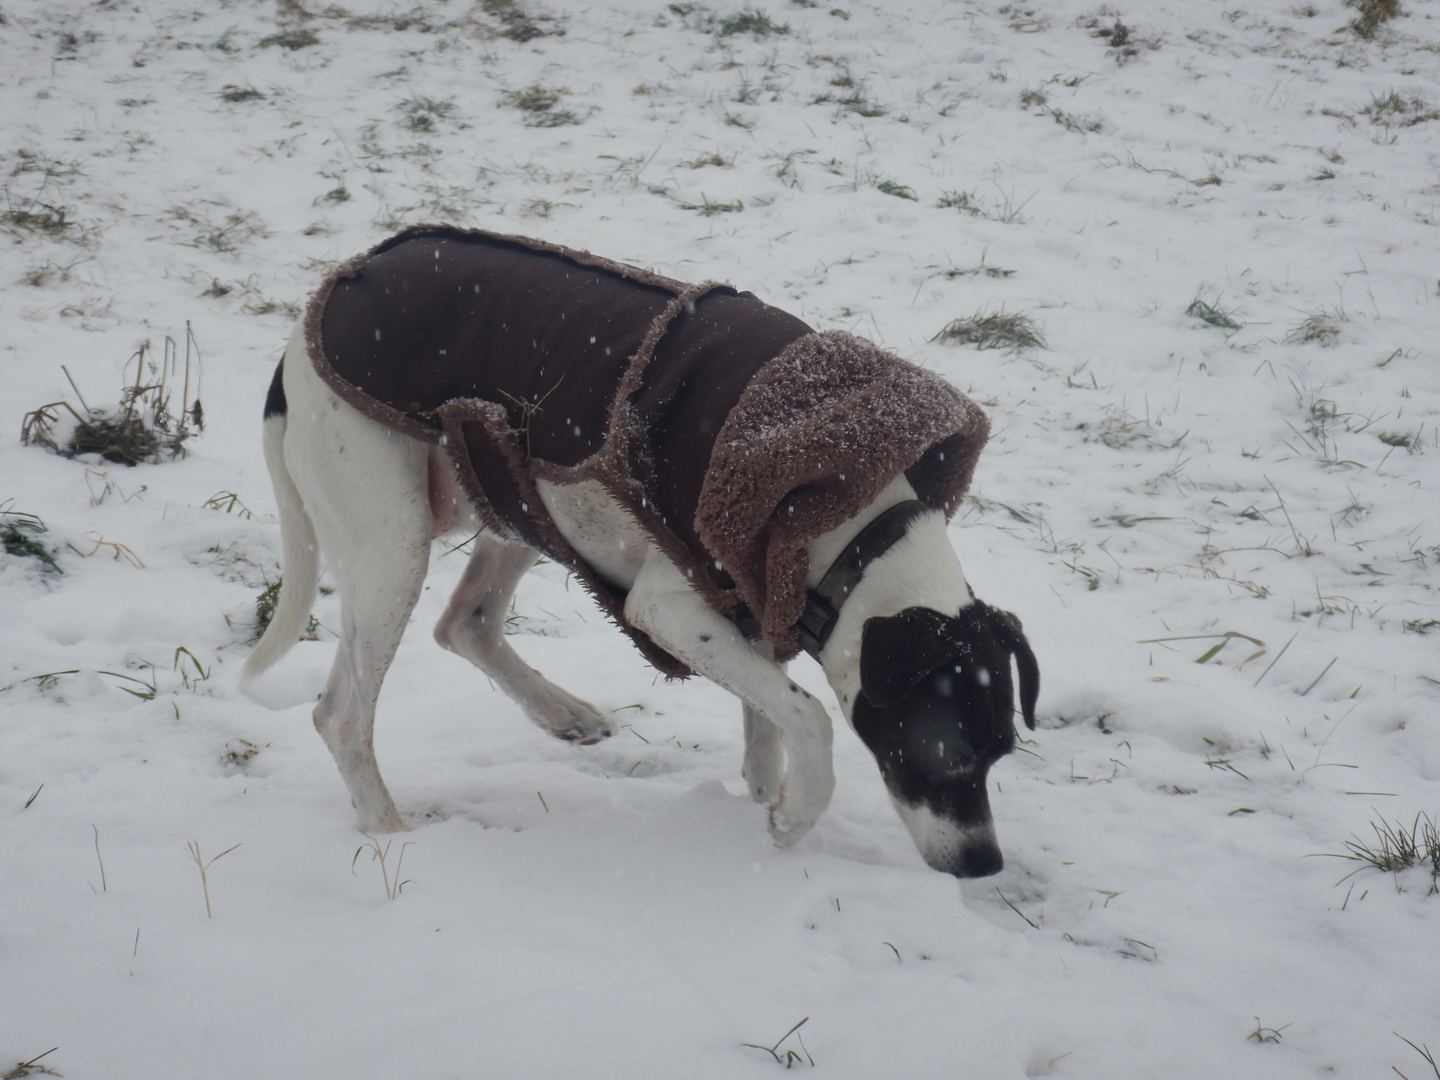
<point x="920" y="668"/>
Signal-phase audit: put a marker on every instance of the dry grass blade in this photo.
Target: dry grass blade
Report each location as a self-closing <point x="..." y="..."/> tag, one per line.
<point x="379" y="854"/>
<point x="204" y="866"/>
<point x="1016" y="910"/>
<point x="1213" y="651"/>
<point x="1423" y="1050"/>
<point x="28" y="1068"/>
<point x="791" y="1058"/>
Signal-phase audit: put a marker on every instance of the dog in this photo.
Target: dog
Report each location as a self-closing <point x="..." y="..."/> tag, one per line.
<point x="721" y="478"/>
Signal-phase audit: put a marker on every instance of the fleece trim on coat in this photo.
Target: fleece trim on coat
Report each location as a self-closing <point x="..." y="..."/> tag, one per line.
<point x="731" y="432"/>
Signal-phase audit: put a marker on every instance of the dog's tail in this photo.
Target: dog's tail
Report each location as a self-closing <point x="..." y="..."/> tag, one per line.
<point x="300" y="552"/>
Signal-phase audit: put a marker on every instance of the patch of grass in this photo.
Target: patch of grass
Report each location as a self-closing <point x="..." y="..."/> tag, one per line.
<point x="226" y="237"/>
<point x="1396" y="848"/>
<point x="1024" y="19"/>
<point x="976" y="271"/>
<point x="1322" y="327"/>
<point x="518" y="25"/>
<point x="291" y="40"/>
<point x="709" y="208"/>
<point x="1371" y="15"/>
<point x="265" y="611"/>
<point x="417" y="19"/>
<point x="218" y="288"/>
<point x="1323" y="420"/>
<point x="145" y="426"/>
<point x="1409" y="441"/>
<point x="419" y="113"/>
<point x="705" y="160"/>
<point x="1263" y="1034"/>
<point x="968" y="202"/>
<point x="18" y="532"/>
<point x="749" y="21"/>
<point x="338" y="194"/>
<point x="1080" y="125"/>
<point x="964" y="201"/>
<point x="239" y="757"/>
<point x="187" y="665"/>
<point x="227" y="502"/>
<point x="236" y="94"/>
<point x="993" y="330"/>
<point x="36" y="217"/>
<point x="1121" y="41"/>
<point x="289" y="308"/>
<point x="40" y="212"/>
<point x="538" y="103"/>
<point x="1211" y="314"/>
<point x="1119" y="428"/>
<point x="1400" y="110"/>
<point x="855" y="103"/>
<point x="899" y="190"/>
<point x="46" y="273"/>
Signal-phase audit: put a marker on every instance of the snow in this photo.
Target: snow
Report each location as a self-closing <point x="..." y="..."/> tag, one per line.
<point x="1152" y="482"/>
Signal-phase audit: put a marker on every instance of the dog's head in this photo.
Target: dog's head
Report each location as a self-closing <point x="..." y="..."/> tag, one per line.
<point x="936" y="708"/>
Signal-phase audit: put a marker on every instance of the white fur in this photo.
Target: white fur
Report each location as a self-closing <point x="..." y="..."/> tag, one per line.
<point x="371" y="499"/>
<point x="938" y="840"/>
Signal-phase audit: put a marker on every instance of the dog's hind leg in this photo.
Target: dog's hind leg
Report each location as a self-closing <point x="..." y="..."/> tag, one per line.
<point x="366" y="492"/>
<point x="662" y="603"/>
<point x="473" y="626"/>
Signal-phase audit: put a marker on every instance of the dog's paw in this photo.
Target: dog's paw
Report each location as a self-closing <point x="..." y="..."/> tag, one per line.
<point x="786" y="826"/>
<point x="576" y="721"/>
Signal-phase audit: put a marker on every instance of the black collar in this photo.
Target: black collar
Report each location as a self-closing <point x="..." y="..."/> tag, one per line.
<point x="823" y="603"/>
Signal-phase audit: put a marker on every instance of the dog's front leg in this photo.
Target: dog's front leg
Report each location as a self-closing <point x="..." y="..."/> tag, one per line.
<point x="662" y="604"/>
<point x="764" y="766"/>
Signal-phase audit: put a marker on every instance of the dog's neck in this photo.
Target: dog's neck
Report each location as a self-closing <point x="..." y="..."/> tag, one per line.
<point x="918" y="570"/>
<point x="825" y="599"/>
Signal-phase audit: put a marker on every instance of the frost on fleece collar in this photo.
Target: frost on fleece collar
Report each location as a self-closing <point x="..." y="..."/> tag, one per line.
<point x="731" y="431"/>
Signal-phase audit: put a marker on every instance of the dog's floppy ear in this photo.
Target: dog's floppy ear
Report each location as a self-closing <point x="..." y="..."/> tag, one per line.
<point x="897" y="651"/>
<point x="1011" y="637"/>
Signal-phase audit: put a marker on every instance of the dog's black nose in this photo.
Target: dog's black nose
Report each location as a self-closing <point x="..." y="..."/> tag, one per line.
<point x="980" y="860"/>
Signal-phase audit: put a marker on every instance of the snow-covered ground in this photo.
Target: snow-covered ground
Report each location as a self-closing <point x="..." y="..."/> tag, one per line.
<point x="1154" y="483"/>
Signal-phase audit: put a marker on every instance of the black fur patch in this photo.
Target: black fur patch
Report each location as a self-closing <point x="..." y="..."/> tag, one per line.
<point x="275" y="397"/>
<point x="898" y="651"/>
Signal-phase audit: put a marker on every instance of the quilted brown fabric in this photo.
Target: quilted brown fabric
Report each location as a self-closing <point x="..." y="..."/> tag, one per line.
<point x="726" y="427"/>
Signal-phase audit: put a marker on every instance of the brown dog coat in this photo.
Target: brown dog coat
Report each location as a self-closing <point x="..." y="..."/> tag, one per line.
<point x="729" y="430"/>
